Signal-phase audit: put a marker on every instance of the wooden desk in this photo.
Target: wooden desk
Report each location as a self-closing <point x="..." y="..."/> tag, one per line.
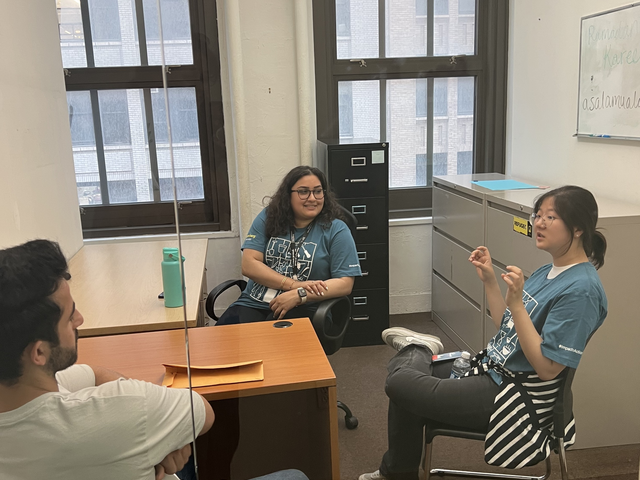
<point x="116" y="286"/>
<point x="272" y="433"/>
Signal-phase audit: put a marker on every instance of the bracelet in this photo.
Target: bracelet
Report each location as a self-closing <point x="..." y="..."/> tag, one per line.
<point x="284" y="279"/>
<point x="292" y="282"/>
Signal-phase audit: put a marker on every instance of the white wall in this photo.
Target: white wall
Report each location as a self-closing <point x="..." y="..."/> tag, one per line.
<point x="37" y="185"/>
<point x="544" y="48"/>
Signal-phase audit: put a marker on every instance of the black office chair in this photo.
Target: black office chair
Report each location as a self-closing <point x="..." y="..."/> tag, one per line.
<point x="561" y="417"/>
<point x="330" y="329"/>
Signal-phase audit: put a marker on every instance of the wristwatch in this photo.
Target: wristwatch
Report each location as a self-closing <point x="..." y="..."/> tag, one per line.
<point x="302" y="293"/>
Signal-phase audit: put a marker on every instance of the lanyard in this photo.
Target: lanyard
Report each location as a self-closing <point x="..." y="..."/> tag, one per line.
<point x="294" y="248"/>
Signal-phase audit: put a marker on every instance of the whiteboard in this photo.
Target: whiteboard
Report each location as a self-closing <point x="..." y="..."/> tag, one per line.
<point x="609" y="82"/>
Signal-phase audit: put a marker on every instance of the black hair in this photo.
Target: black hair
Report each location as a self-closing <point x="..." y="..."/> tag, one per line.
<point x="578" y="210"/>
<point x="280" y="217"/>
<point x="29" y="274"/>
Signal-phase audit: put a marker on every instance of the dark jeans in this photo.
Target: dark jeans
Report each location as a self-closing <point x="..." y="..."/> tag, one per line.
<point x="240" y="314"/>
<point x="418" y="392"/>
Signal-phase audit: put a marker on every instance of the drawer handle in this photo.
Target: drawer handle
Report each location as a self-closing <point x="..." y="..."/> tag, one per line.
<point x="359" y="180"/>
<point x="360" y="319"/>
<point x="358" y="161"/>
<point x="362" y="227"/>
<point x="361" y="256"/>
<point x="359" y="209"/>
<point x="359" y="300"/>
<point x="365" y="274"/>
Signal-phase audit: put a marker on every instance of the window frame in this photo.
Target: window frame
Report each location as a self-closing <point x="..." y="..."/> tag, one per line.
<point x="488" y="66"/>
<point x="213" y="213"/>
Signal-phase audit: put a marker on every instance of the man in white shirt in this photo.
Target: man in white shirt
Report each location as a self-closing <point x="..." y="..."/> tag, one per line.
<point x="65" y="421"/>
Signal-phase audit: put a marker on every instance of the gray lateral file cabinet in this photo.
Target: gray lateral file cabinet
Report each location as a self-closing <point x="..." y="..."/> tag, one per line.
<point x="606" y="388"/>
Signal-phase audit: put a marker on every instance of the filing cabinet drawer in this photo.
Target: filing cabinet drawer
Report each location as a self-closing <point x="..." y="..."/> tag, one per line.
<point x="360" y="172"/>
<point x="509" y="247"/>
<point x="369" y="317"/>
<point x="451" y="261"/>
<point x="459" y="215"/>
<point x="458" y="313"/>
<point x="374" y="263"/>
<point x="372" y="216"/>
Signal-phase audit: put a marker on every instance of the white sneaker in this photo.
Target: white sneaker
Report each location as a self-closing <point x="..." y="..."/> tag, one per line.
<point x="398" y="338"/>
<point x="372" y="476"/>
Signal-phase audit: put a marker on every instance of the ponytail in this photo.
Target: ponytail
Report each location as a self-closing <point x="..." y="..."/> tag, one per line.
<point x="598" y="249"/>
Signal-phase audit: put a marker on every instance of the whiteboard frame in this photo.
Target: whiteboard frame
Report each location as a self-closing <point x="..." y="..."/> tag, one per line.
<point x="591" y="135"/>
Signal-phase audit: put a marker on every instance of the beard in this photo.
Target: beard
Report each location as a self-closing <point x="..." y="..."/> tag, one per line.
<point x="62" y="357"/>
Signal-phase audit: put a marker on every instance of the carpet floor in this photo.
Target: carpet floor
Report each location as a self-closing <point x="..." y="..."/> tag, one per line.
<point x="361" y="373"/>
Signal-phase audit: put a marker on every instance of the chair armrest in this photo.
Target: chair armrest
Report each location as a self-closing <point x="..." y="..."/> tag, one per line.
<point x="215" y="293"/>
<point x="331" y="329"/>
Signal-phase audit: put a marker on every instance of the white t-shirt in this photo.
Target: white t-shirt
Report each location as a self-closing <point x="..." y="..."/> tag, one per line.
<point x="115" y="431"/>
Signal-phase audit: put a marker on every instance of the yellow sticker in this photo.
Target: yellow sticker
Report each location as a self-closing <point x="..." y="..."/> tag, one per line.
<point x="522" y="226"/>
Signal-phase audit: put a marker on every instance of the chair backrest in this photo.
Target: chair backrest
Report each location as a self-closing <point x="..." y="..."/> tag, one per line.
<point x="351" y="221"/>
<point x="563" y="409"/>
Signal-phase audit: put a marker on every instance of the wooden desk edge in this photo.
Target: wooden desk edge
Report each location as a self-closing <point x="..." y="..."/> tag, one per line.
<point x="261" y="390"/>
<point x="133" y="328"/>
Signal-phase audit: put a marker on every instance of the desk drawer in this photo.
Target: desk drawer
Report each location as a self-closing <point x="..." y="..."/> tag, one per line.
<point x="352" y="172"/>
<point x="369" y="317"/>
<point x="372" y="215"/>
<point x="459" y="215"/>
<point x="509" y="247"/>
<point x="374" y="262"/>
<point x="451" y="261"/>
<point x="462" y="316"/>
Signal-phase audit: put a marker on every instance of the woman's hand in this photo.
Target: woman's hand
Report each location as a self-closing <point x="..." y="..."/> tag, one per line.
<point x="481" y="259"/>
<point x="315" y="287"/>
<point x="283" y="303"/>
<point x="515" y="283"/>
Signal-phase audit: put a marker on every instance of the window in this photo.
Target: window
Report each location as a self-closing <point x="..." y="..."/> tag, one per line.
<point x="408" y="89"/>
<point x="118" y="115"/>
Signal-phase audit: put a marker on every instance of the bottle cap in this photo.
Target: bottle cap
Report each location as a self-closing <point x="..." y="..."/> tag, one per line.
<point x="170" y="254"/>
<point x="466" y="355"/>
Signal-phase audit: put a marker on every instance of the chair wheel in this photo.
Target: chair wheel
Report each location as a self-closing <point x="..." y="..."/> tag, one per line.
<point x="350" y="422"/>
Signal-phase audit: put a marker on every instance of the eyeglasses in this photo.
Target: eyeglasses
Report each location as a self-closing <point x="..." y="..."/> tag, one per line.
<point x="304" y="193"/>
<point x="547" y="220"/>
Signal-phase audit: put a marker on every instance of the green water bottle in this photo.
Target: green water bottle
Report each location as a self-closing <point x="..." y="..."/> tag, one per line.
<point x="171" y="281"/>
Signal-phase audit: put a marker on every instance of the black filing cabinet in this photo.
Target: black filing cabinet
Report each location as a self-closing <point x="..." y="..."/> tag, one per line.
<point x="359" y="176"/>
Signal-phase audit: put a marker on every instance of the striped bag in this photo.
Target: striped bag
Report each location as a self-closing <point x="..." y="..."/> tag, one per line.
<point x="521" y="426"/>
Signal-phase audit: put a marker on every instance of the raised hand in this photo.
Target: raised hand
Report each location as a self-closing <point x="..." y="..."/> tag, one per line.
<point x="481" y="259"/>
<point x="515" y="283"/>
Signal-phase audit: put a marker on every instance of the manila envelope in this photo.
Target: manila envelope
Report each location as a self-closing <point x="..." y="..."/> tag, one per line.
<point x="175" y="376"/>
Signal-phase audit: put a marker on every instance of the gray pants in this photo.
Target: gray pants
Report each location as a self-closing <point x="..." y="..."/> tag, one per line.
<point x="418" y="392"/>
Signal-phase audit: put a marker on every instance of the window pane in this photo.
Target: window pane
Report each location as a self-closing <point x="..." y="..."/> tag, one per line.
<point x="357" y="28"/>
<point x="454" y="27"/>
<point x="176" y="30"/>
<point x="71" y="34"/>
<point x="186" y="143"/>
<point x="451" y="138"/>
<point x="359" y="100"/>
<point x="406" y="133"/>
<point x="406" y="34"/>
<point x="114" y="33"/>
<point x="453" y="132"/>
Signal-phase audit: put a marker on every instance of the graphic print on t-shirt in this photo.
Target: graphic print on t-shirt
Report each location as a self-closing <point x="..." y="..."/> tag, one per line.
<point x="277" y="258"/>
<point x="504" y="343"/>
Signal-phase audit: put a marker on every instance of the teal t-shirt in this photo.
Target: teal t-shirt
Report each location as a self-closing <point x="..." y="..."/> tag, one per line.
<point x="325" y="253"/>
<point x="565" y="311"/>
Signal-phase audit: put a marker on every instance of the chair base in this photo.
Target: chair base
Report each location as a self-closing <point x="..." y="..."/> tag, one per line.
<point x="350" y="421"/>
<point x="465" y="473"/>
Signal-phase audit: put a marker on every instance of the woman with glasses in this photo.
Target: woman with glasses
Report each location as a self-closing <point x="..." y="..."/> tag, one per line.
<point x="298" y="251"/>
<point x="543" y="325"/>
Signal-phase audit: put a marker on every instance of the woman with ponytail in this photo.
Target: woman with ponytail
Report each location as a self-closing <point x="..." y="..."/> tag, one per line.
<point x="544" y="324"/>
